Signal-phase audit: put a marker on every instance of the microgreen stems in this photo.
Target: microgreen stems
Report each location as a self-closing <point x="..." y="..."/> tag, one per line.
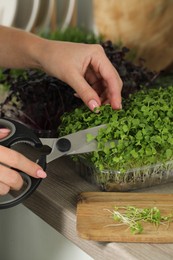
<point x="133" y="217"/>
<point x="142" y="129"/>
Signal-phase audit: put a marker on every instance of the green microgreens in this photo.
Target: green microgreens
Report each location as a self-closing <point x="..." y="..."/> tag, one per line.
<point x="143" y="129"/>
<point x="89" y="137"/>
<point x="134" y="217"/>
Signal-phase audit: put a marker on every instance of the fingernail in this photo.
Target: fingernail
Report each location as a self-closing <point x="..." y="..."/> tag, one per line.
<point x="120" y="106"/>
<point x="41" y="174"/>
<point x="4" y="130"/>
<point x="93" y="105"/>
<point x="76" y="95"/>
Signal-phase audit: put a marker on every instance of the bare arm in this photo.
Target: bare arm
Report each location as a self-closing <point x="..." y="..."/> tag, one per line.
<point x="84" y="67"/>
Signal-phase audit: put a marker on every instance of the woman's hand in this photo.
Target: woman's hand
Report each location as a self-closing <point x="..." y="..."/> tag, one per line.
<point x="10" y="178"/>
<point x="86" y="68"/>
<point x="4" y="132"/>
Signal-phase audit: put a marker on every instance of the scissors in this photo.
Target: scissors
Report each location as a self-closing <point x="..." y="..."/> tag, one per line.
<point x="75" y="143"/>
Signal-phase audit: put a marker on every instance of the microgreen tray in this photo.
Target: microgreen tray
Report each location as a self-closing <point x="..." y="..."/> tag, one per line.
<point x="111" y="180"/>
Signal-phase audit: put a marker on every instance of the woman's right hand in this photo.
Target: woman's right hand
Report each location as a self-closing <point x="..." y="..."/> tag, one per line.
<point x="10" y="178"/>
<point x="4" y="132"/>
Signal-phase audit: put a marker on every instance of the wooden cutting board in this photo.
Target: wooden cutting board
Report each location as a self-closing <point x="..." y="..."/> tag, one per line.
<point x="94" y="221"/>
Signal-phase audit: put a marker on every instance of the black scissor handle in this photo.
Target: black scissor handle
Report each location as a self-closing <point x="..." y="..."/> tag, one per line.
<point x="19" y="133"/>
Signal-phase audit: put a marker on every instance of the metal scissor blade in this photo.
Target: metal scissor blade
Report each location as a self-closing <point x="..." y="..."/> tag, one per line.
<point x="55" y="153"/>
<point x="48" y="141"/>
<point x="78" y="142"/>
<point x="87" y="148"/>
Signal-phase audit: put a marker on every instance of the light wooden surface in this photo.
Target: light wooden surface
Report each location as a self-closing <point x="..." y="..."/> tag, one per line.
<point x="55" y="202"/>
<point x="95" y="220"/>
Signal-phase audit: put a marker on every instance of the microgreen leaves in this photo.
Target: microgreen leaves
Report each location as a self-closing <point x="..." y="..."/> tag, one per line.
<point x="143" y="129"/>
<point x="134" y="217"/>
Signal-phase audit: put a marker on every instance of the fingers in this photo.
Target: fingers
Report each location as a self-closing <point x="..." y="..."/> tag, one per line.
<point x="98" y="76"/>
<point x="10" y="178"/>
<point x="91" y="77"/>
<point x="99" y="93"/>
<point x="16" y="160"/>
<point x="4" y="132"/>
<point x="112" y="81"/>
<point x="4" y="189"/>
<point x="85" y="91"/>
<point x="114" y="93"/>
<point x="81" y="66"/>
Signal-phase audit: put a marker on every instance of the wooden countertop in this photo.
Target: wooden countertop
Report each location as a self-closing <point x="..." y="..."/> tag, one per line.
<point x="55" y="202"/>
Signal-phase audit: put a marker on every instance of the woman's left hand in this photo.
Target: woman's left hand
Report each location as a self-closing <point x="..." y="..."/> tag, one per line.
<point x="86" y="68"/>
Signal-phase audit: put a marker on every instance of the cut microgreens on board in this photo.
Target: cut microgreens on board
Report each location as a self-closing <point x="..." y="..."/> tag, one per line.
<point x="134" y="217"/>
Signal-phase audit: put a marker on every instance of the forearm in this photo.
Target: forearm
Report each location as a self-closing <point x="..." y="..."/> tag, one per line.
<point x="18" y="49"/>
<point x="84" y="67"/>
